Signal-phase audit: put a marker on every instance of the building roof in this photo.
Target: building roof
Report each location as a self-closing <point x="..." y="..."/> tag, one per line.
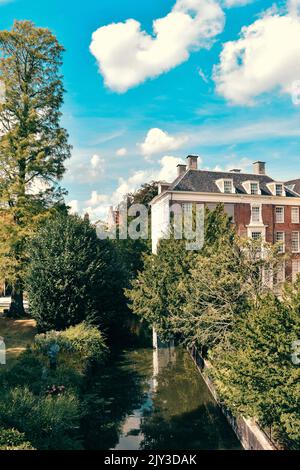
<point x="205" y="181"/>
<point x="294" y="185"/>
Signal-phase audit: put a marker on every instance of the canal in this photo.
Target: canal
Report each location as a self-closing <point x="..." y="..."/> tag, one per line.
<point x="154" y="400"/>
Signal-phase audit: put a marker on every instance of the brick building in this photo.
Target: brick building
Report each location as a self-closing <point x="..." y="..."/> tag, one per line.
<point x="260" y="207"/>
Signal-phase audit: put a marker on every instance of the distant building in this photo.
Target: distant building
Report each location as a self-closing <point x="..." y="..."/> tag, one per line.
<point x="260" y="207"/>
<point x="294" y="185"/>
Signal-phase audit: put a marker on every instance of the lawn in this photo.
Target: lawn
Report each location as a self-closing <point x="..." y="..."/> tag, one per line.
<point x="17" y="335"/>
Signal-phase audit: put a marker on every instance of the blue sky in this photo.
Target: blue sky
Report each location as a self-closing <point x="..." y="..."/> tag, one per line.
<point x="230" y="109"/>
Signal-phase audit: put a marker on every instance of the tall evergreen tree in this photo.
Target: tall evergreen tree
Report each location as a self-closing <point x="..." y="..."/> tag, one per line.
<point x="74" y="276"/>
<point x="33" y="146"/>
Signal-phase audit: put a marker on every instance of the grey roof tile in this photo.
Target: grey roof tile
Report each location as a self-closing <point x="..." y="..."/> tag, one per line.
<point x="205" y="181"/>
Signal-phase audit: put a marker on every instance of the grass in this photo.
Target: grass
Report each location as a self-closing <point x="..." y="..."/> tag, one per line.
<point x="17" y="335"/>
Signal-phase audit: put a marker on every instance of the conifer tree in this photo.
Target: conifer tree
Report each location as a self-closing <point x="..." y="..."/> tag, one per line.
<point x="33" y="145"/>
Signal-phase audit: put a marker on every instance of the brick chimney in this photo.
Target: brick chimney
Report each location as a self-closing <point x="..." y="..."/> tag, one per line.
<point x="181" y="169"/>
<point x="259" y="168"/>
<point x="192" y="162"/>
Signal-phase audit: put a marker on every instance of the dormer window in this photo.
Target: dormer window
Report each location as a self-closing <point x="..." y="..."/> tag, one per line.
<point x="253" y="188"/>
<point x="228" y="186"/>
<point x="278" y="189"/>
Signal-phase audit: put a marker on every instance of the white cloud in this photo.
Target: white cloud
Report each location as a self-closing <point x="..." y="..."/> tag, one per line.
<point x="158" y="141"/>
<point x="266" y="57"/>
<point x="98" y="205"/>
<point x="127" y="55"/>
<point x="97" y="198"/>
<point x="121" y="152"/>
<point x="74" y="206"/>
<point x="83" y="168"/>
<point x="236" y="3"/>
<point x="232" y="132"/>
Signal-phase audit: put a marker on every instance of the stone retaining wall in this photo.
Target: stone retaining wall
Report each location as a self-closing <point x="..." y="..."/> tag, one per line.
<point x="247" y="431"/>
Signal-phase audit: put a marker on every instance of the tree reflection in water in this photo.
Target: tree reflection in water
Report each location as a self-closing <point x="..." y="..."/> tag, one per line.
<point x="138" y="403"/>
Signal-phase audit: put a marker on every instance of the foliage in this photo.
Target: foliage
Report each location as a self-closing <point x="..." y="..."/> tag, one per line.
<point x="11" y="439"/>
<point x="80" y="344"/>
<point x="144" y="194"/>
<point x="73" y="276"/>
<point x="48" y="422"/>
<point x="255" y="375"/>
<point x="33" y="146"/>
<point x="155" y="295"/>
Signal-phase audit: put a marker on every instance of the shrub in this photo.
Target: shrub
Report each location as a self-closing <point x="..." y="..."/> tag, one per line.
<point x="48" y="422"/>
<point x="78" y="345"/>
<point x="27" y="371"/>
<point x="11" y="439"/>
<point x="73" y="276"/>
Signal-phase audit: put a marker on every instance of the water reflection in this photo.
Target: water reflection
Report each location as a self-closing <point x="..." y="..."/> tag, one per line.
<point x="154" y="401"/>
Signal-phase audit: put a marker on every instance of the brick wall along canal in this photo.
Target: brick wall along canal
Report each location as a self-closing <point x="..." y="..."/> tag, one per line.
<point x="152" y="400"/>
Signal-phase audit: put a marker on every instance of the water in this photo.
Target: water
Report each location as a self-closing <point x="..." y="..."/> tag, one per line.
<point x="154" y="401"/>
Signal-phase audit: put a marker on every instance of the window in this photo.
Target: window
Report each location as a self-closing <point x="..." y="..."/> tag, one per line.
<point x="295" y="215"/>
<point x="187" y="207"/>
<point x="253" y="188"/>
<point x="256" y="236"/>
<point x="279" y="211"/>
<point x="278" y="189"/>
<point x="279" y="277"/>
<point x="295" y="269"/>
<point x="280" y="238"/>
<point x="295" y="242"/>
<point x="255" y="214"/>
<point x="228" y="186"/>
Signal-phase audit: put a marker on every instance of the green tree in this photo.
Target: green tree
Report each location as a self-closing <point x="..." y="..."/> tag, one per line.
<point x="155" y="295"/>
<point x="227" y="278"/>
<point x="33" y="145"/>
<point x="73" y="276"/>
<point x="255" y="375"/>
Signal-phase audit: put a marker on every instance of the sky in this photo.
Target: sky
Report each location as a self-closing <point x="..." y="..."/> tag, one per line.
<point x="148" y="83"/>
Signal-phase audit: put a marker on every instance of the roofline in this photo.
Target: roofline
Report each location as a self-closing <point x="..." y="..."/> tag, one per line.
<point x="278" y="199"/>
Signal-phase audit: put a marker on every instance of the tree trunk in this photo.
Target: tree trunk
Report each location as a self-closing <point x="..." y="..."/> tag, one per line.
<point x="16" y="309"/>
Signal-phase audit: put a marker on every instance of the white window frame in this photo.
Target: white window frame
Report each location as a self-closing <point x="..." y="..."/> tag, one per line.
<point x="282" y="241"/>
<point x="298" y="242"/>
<point x="221" y="185"/>
<point x="256" y="232"/>
<point x="259" y="219"/>
<point x="295" y="269"/>
<point x="277" y="185"/>
<point x="295" y="215"/>
<point x="256" y="191"/>
<point x="231" y="186"/>
<point x="281" y="221"/>
<point x="280" y="274"/>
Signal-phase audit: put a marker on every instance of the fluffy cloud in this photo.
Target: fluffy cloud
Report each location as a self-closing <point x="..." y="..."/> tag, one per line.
<point x="97" y="198"/>
<point x="121" y="152"/>
<point x="158" y="141"/>
<point x="74" y="206"/>
<point x="266" y="57"/>
<point x="98" y="205"/>
<point x="236" y="3"/>
<point x="85" y="169"/>
<point x="127" y="55"/>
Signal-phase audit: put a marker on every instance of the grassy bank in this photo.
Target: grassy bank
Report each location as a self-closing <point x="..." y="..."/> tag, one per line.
<point x="17" y="334"/>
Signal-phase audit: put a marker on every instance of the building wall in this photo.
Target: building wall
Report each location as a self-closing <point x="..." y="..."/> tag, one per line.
<point x="240" y="213"/>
